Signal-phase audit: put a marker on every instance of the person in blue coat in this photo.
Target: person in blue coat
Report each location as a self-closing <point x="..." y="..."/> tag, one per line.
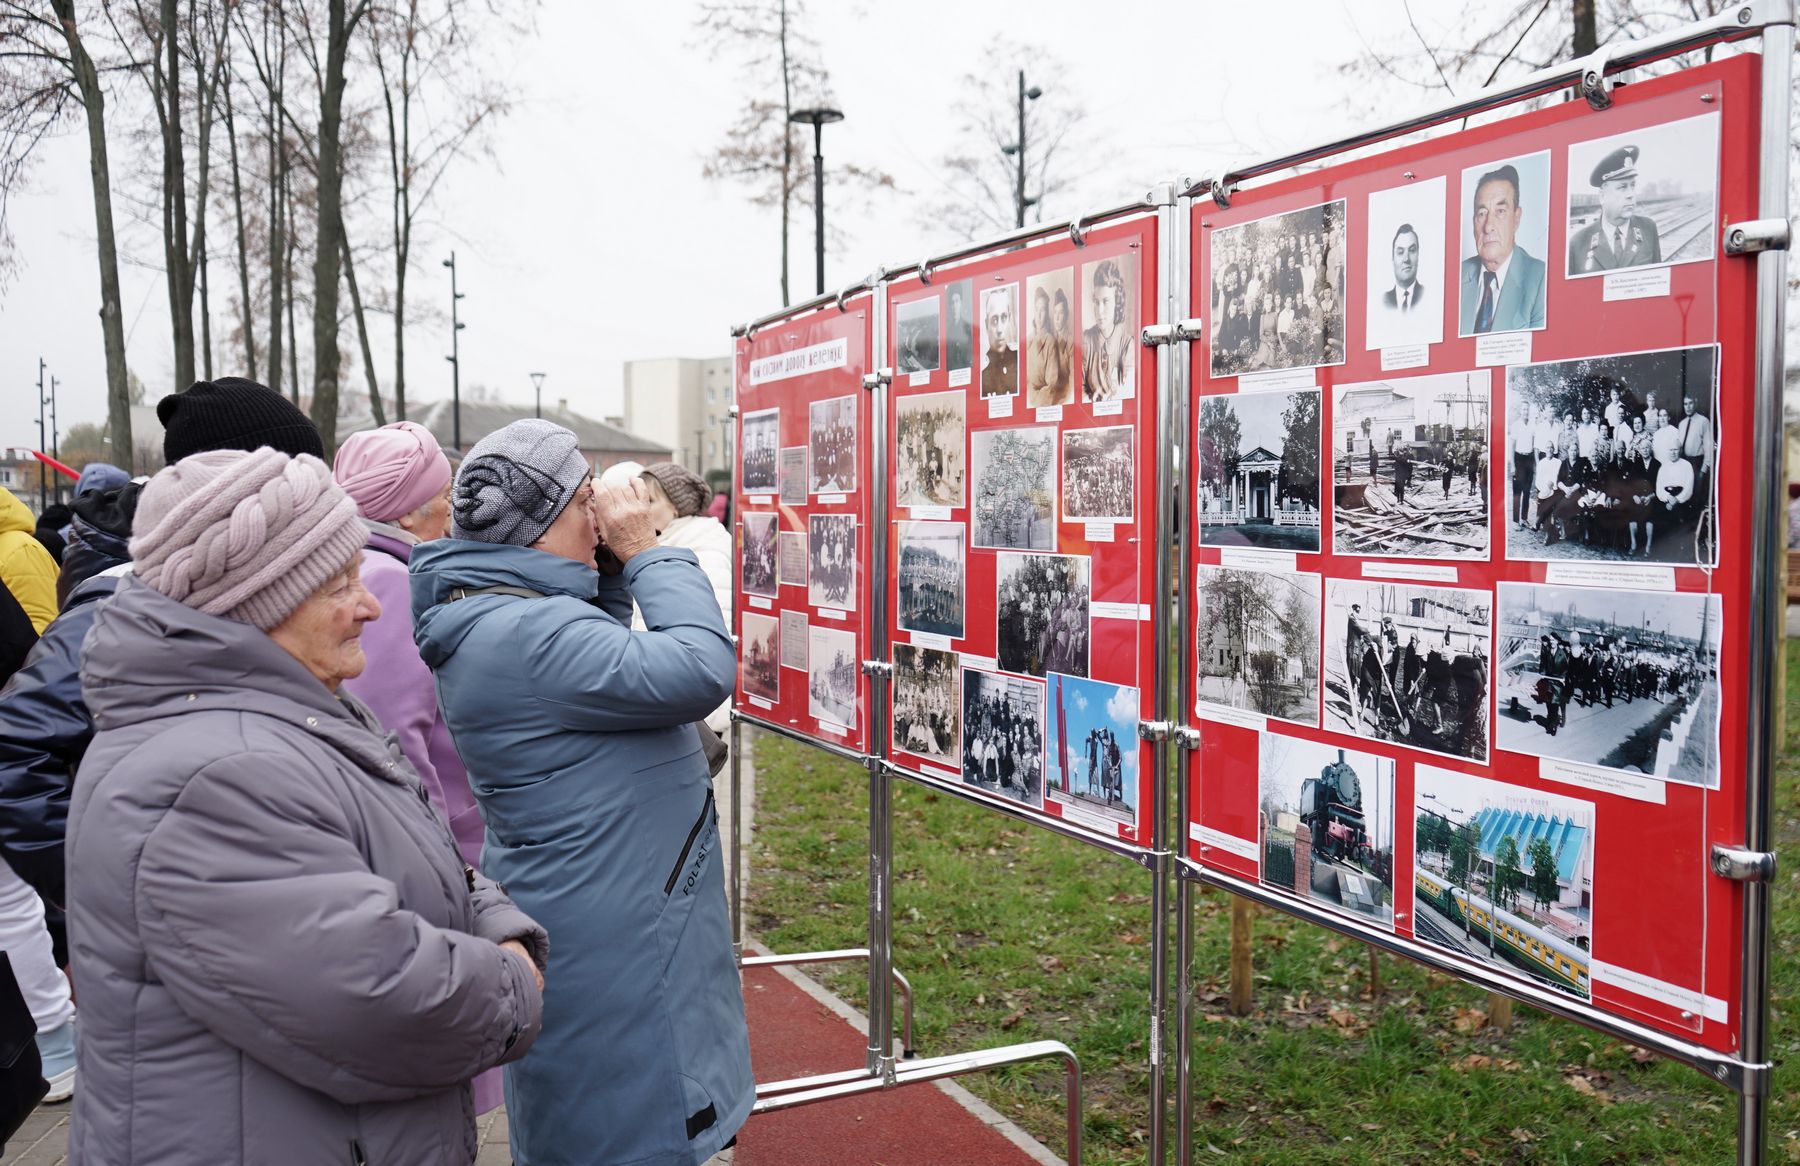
<point x="577" y="734"/>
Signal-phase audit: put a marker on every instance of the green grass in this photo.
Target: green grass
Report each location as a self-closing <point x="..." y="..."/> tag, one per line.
<point x="1011" y="934"/>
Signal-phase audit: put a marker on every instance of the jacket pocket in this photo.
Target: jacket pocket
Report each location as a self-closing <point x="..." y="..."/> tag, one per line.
<point x="687" y="847"/>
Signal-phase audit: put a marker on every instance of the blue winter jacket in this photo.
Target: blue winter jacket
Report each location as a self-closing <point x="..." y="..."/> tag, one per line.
<point x="600" y="824"/>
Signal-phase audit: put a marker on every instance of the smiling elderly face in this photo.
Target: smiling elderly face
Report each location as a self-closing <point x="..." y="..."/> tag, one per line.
<point x="325" y="632"/>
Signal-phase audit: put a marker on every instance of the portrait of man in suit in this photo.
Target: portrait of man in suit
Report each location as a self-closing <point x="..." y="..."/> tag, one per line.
<point x="1620" y="237"/>
<point x="1403" y="266"/>
<point x="1000" y="355"/>
<point x="1408" y="293"/>
<point x="1502" y="283"/>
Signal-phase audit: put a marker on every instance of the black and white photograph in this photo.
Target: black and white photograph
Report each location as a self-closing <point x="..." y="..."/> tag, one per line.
<point x="1259" y="471"/>
<point x="916" y="336"/>
<point x="1612" y="458"/>
<point x="1327" y="820"/>
<point x="1000" y="341"/>
<point x="959" y="325"/>
<point x="831" y="672"/>
<point x="1504" y="239"/>
<point x="929" y="441"/>
<point x="757" y="566"/>
<point x="1404" y="289"/>
<point x="1409" y="664"/>
<point x="1090" y="751"/>
<point x="927" y="702"/>
<point x="1050" y="338"/>
<point x="1278" y="291"/>
<point x="1110" y="347"/>
<point x="1409" y="467"/>
<point x="1504" y="875"/>
<point x="761" y="653"/>
<point x="793" y="640"/>
<point x="1097" y="474"/>
<point x="762" y="439"/>
<point x="831" y="561"/>
<point x="1645" y="198"/>
<point x="1625" y="680"/>
<point x="1041" y="613"/>
<point x="831" y="434"/>
<point x="1014" y="489"/>
<point x="1003" y="735"/>
<point x="1258" y="642"/>
<point x="792" y="564"/>
<point x="931" y="582"/>
<point x="793" y="475"/>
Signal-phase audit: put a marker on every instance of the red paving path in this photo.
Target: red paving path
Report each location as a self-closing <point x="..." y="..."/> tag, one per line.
<point x="793" y="1035"/>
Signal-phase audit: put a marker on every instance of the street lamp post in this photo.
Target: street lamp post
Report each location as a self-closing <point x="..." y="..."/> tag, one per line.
<point x="455" y="359"/>
<point x="537" y="385"/>
<point x="43" y="445"/>
<point x="1017" y="149"/>
<point x="55" y="440"/>
<point x="818" y="118"/>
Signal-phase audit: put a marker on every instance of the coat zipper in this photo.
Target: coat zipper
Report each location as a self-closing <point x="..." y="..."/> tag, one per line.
<point x="669" y="887"/>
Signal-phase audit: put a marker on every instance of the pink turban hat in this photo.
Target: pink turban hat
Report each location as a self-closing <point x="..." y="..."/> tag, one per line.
<point x="391" y="471"/>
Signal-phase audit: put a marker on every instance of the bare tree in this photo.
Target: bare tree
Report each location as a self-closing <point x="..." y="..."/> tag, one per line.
<point x="764" y="152"/>
<point x="413" y="44"/>
<point x="45" y="67"/>
<point x="980" y="175"/>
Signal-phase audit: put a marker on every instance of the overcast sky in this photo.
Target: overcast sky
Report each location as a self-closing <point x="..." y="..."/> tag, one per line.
<point x="592" y="239"/>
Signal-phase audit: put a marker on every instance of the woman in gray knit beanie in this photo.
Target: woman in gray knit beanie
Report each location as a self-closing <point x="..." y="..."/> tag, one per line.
<point x="269" y="909"/>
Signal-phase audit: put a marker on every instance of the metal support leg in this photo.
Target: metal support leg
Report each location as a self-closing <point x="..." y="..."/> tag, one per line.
<point x="737" y="839"/>
<point x="881" y="950"/>
<point x="846" y="955"/>
<point x="1184" y="1020"/>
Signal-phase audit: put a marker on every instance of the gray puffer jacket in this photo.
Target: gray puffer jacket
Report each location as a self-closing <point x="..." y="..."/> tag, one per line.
<point x="280" y="958"/>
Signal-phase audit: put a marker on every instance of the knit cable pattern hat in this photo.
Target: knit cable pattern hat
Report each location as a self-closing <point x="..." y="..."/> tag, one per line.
<point x="515" y="482"/>
<point x="687" y="491"/>
<point x="248" y="536"/>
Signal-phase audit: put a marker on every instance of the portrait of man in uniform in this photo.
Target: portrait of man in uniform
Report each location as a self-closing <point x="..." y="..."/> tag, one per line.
<point x="1620" y="237"/>
<point x="1502" y="279"/>
<point x="959" y="325"/>
<point x="1000" y="341"/>
<point x="1644" y="198"/>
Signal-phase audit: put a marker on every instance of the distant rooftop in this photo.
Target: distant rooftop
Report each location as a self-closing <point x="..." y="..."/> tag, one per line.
<point x="482" y="418"/>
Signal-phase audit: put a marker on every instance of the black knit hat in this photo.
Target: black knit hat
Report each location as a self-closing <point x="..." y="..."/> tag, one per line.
<point x="233" y="413"/>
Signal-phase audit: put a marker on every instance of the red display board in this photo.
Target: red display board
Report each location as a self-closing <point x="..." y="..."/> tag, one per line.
<point x="1503" y="723"/>
<point x="1021" y="437"/>
<point x="801" y="511"/>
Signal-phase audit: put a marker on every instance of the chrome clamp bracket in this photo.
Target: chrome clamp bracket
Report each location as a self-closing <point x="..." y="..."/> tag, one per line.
<point x="1162" y="194"/>
<point x="877" y="668"/>
<point x="1187" y="736"/>
<point x="874" y="380"/>
<point x="1745" y="1077"/>
<point x="1741" y="865"/>
<point x="1222" y="190"/>
<point x="1193" y="329"/>
<point x="1154" y="730"/>
<point x="1754" y="235"/>
<point x="1596" y="86"/>
<point x="1157" y="334"/>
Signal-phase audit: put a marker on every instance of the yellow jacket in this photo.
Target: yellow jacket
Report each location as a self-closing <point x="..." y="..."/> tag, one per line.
<point x="25" y="566"/>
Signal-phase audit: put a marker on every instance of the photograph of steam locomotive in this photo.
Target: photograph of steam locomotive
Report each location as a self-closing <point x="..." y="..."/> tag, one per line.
<point x="1327" y="819"/>
<point x="1409" y="664"/>
<point x="1504" y="875"/>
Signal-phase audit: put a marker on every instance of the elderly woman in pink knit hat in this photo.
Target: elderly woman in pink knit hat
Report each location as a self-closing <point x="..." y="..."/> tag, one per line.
<point x="279" y="954"/>
<point x="400" y="480"/>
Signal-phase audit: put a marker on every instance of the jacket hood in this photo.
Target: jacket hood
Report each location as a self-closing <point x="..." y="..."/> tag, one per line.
<point x="148" y="657"/>
<point x="14" y="514"/>
<point x="440" y="566"/>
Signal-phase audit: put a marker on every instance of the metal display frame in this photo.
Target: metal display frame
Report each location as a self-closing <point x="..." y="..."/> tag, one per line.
<point x="1746" y="1072"/>
<point x="1175" y="746"/>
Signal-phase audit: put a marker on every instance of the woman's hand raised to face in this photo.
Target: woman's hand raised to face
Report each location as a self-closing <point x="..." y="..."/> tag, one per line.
<point x="624" y="515"/>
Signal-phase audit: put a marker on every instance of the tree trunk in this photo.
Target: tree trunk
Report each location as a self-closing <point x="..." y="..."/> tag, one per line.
<point x="175" y="237"/>
<point x="362" y="332"/>
<point x="112" y="323"/>
<point x="243" y="254"/>
<point x="277" y="184"/>
<point x="1242" y="911"/>
<point x="205" y="311"/>
<point x="787" y="154"/>
<point x="327" y="269"/>
<point x="1586" y="35"/>
<point x="287" y="275"/>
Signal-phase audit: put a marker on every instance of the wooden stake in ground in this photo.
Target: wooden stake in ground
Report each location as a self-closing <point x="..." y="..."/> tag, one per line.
<point x="1499" y="1010"/>
<point x="1242" y="911"/>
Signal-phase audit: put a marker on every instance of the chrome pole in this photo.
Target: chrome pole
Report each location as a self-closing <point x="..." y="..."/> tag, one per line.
<point x="1767" y="609"/>
<point x="1181" y="253"/>
<point x="737" y="833"/>
<point x="881" y="786"/>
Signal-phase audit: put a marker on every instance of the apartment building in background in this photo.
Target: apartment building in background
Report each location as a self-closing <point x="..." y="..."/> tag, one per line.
<point x="684" y="403"/>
